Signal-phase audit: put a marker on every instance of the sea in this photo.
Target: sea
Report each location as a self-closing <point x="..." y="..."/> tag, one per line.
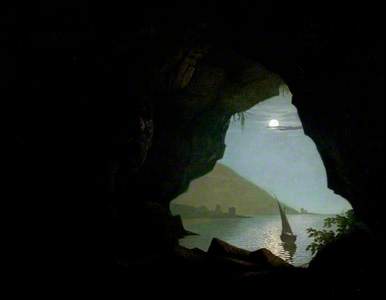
<point x="253" y="233"/>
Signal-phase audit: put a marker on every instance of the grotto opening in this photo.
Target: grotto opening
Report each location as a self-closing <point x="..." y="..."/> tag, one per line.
<point x="265" y="163"/>
<point x="115" y="109"/>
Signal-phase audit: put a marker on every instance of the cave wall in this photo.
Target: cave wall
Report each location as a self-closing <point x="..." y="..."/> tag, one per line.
<point x="194" y="94"/>
<point x="115" y="110"/>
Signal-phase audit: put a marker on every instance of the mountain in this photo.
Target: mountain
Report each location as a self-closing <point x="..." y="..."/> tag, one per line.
<point x="224" y="187"/>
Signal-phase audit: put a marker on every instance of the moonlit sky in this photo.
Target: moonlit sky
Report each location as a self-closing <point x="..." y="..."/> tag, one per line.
<point x="285" y="163"/>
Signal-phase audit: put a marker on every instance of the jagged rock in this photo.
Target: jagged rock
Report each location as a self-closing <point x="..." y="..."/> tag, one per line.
<point x="220" y="248"/>
<point x="180" y="68"/>
<point x="199" y="251"/>
<point x="262" y="258"/>
<point x="189" y="255"/>
<point x="178" y="227"/>
<point x="83" y="77"/>
<point x="266" y="258"/>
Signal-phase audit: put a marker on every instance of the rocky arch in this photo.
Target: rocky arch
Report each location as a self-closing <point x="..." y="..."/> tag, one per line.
<point x="134" y="102"/>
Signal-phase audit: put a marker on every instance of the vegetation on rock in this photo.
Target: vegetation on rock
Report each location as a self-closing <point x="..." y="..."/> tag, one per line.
<point x="341" y="223"/>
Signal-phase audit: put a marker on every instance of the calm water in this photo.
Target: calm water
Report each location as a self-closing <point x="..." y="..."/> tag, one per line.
<point x="255" y="233"/>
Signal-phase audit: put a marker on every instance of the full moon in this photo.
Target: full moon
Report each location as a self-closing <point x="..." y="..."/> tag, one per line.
<point x="273" y="123"/>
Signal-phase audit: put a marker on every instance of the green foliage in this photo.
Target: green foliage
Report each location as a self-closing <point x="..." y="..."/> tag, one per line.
<point x="341" y="223"/>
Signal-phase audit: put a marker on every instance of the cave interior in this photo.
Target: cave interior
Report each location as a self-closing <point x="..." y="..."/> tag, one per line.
<point x="116" y="109"/>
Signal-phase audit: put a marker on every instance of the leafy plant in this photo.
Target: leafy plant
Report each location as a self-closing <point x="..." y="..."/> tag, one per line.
<point x="341" y="223"/>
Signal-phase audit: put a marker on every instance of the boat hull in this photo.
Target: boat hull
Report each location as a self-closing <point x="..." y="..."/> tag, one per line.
<point x="287" y="238"/>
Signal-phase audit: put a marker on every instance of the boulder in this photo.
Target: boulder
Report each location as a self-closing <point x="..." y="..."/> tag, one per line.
<point x="189" y="255"/>
<point x="220" y="248"/>
<point x="260" y="259"/>
<point x="266" y="258"/>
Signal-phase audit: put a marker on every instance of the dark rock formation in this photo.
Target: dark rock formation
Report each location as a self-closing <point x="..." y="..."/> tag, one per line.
<point x="266" y="258"/>
<point x="220" y="248"/>
<point x="261" y="259"/>
<point x="114" y="111"/>
<point x="350" y="261"/>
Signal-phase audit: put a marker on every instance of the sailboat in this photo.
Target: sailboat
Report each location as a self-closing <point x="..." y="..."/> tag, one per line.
<point x="287" y="236"/>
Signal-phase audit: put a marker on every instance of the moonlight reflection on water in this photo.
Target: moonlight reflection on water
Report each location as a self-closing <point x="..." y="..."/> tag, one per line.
<point x="253" y="233"/>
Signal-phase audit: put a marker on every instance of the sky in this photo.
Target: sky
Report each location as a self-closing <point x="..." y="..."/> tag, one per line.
<point x="286" y="162"/>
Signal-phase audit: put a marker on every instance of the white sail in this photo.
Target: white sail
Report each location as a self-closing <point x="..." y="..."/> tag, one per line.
<point x="286" y="228"/>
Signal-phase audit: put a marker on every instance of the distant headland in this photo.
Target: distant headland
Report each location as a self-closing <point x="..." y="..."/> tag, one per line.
<point x="224" y="193"/>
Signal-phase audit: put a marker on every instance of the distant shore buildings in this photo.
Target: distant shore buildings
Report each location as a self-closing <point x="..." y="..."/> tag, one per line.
<point x="204" y="212"/>
<point x="303" y="211"/>
<point x="232" y="213"/>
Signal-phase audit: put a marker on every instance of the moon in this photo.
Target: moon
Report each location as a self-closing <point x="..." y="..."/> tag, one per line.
<point x="273" y="123"/>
